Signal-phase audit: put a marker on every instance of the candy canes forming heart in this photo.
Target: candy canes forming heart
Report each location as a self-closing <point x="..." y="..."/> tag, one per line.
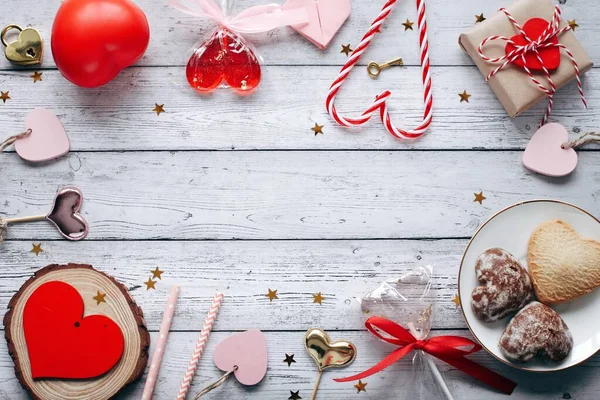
<point x="380" y="104"/>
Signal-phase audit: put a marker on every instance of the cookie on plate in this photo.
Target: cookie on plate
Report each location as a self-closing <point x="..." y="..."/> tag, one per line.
<point x="505" y="285"/>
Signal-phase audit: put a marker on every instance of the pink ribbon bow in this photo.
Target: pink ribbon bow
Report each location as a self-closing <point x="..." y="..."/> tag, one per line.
<point x="534" y="45"/>
<point x="252" y="20"/>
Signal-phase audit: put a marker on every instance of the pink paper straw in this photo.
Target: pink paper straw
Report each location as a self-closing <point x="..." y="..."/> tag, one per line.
<point x="208" y="324"/>
<point x="160" y="345"/>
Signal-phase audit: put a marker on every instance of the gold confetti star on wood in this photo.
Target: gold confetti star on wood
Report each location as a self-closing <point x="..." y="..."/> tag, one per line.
<point x="456" y="300"/>
<point x="37" y="249"/>
<point x="150" y="284"/>
<point x="272" y="295"/>
<point x="294" y="395"/>
<point x="289" y="359"/>
<point x="346" y="49"/>
<point x="99" y="297"/>
<point x="573" y="24"/>
<point x="360" y="386"/>
<point x="317" y="129"/>
<point x="4" y="96"/>
<point x="479" y="18"/>
<point x="37" y="76"/>
<point x="408" y="25"/>
<point x="158" y="108"/>
<point x="157" y="273"/>
<point x="318" y="298"/>
<point x="479" y="197"/>
<point x="464" y="96"/>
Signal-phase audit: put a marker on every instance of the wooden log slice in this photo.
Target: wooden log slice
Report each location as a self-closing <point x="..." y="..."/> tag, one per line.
<point x="119" y="306"/>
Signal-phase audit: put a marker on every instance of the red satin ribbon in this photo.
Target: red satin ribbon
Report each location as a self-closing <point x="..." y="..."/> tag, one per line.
<point x="443" y="347"/>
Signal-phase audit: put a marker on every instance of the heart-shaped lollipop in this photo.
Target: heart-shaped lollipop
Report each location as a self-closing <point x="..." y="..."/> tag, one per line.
<point x="545" y="155"/>
<point x="327" y="354"/>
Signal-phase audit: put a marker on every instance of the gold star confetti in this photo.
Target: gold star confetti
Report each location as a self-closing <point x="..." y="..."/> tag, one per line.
<point x="464" y="96"/>
<point x="479" y="18"/>
<point x="99" y="297"/>
<point x="317" y="129"/>
<point x="158" y="108"/>
<point x="318" y="298"/>
<point x="4" y="96"/>
<point x="157" y="273"/>
<point x="408" y="25"/>
<point x="346" y="49"/>
<point x="360" y="386"/>
<point x="272" y="295"/>
<point x="456" y="300"/>
<point x="573" y="24"/>
<point x="37" y="249"/>
<point x="37" y="76"/>
<point x="289" y="359"/>
<point x="294" y="395"/>
<point x="150" y="284"/>
<point x="479" y="197"/>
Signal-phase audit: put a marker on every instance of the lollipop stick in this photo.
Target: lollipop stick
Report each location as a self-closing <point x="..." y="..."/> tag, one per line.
<point x="317" y="383"/>
<point x="25" y="219"/>
<point x="438" y="377"/>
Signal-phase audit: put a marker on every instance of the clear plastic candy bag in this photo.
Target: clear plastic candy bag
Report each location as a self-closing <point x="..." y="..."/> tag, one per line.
<point x="406" y="301"/>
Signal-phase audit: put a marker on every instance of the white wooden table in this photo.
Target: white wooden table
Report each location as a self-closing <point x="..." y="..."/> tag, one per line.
<point x="238" y="194"/>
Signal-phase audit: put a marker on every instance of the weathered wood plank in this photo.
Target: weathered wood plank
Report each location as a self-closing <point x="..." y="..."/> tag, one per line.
<point x="580" y="382"/>
<point x="285" y="195"/>
<point x="280" y="114"/>
<point x="173" y="33"/>
<point x="342" y="270"/>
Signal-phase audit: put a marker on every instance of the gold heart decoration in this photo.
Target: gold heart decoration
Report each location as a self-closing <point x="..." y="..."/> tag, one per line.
<point x="327" y="354"/>
<point x="27" y="49"/>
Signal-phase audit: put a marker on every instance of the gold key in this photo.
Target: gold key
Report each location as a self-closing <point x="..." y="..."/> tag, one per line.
<point x="374" y="69"/>
<point x="26" y="49"/>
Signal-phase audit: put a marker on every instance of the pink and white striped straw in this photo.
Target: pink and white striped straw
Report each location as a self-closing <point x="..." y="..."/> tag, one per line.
<point x="157" y="356"/>
<point x="208" y="324"/>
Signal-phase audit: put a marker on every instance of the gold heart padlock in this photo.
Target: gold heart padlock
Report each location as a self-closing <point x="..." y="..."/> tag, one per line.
<point x="27" y="49"/>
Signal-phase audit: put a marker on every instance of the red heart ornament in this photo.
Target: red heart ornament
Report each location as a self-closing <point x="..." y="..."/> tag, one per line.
<point x="224" y="57"/>
<point x="63" y="344"/>
<point x="550" y="56"/>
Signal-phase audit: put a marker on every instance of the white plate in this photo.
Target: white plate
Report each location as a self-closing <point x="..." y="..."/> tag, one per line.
<point x="510" y="229"/>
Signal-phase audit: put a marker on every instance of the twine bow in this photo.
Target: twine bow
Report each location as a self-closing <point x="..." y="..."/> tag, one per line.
<point x="446" y="348"/>
<point x="252" y="20"/>
<point x="533" y="46"/>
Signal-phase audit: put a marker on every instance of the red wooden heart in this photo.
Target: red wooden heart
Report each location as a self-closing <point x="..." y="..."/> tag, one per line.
<point x="224" y="57"/>
<point x="550" y="55"/>
<point x="63" y="344"/>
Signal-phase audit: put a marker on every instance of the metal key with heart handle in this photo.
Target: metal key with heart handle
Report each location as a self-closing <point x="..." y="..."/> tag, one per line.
<point x="27" y="49"/>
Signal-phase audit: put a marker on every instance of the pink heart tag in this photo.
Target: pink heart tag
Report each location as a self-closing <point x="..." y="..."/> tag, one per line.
<point x="247" y="351"/>
<point x="545" y="155"/>
<point x="325" y="18"/>
<point x="48" y="139"/>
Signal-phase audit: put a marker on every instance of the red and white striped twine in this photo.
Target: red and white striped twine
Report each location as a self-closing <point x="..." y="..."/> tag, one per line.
<point x="199" y="349"/>
<point x="380" y="104"/>
<point x="553" y="30"/>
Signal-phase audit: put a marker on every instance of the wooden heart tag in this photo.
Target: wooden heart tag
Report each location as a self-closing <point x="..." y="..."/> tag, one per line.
<point x="27" y="49"/>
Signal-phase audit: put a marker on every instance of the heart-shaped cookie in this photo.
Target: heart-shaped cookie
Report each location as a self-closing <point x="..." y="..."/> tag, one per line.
<point x="61" y="343"/>
<point x="65" y="214"/>
<point x="47" y="140"/>
<point x="562" y="265"/>
<point x="225" y="57"/>
<point x="536" y="330"/>
<point x="327" y="354"/>
<point x="550" y="56"/>
<point x="505" y="285"/>
<point x="545" y="155"/>
<point x="325" y="18"/>
<point x="27" y="49"/>
<point x="248" y="352"/>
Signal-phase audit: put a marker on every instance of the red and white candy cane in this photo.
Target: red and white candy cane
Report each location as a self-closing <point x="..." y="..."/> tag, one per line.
<point x="534" y="46"/>
<point x="380" y="104"/>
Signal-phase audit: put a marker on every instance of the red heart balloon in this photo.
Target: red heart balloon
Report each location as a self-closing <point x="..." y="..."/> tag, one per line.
<point x="550" y="55"/>
<point x="224" y="57"/>
<point x="93" y="40"/>
<point x="63" y="344"/>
